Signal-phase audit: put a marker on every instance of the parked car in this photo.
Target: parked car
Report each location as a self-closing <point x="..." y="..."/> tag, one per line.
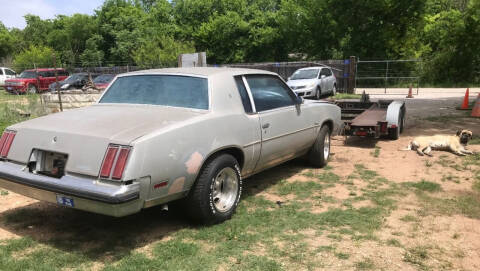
<point x="74" y="81"/>
<point x="34" y="81"/>
<point x="102" y="81"/>
<point x="157" y="136"/>
<point x="313" y="82"/>
<point x="6" y="73"/>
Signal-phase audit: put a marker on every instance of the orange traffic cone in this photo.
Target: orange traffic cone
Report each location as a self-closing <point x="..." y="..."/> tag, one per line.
<point x="410" y="95"/>
<point x="465" y="100"/>
<point x="476" y="107"/>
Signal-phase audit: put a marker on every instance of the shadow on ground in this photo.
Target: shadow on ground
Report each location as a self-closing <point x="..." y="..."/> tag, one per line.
<point x="101" y="237"/>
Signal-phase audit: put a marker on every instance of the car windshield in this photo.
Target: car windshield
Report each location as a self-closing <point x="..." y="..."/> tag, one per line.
<point x="167" y="90"/>
<point x="74" y="77"/>
<point x="103" y="79"/>
<point x="28" y="74"/>
<point x="305" y="74"/>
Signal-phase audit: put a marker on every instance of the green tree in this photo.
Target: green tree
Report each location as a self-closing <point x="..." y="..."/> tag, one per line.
<point x="6" y="42"/>
<point x="92" y="55"/>
<point x="34" y="57"/>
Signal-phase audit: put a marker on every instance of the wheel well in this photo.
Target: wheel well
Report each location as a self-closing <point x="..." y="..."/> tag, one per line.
<point x="329" y="123"/>
<point x="233" y="151"/>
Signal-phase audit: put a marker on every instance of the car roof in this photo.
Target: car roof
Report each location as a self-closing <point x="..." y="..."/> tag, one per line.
<point x="200" y="71"/>
<point x="44" y="69"/>
<point x="316" y="67"/>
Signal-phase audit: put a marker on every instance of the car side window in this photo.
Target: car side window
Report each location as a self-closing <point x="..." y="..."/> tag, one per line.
<point x="9" y="72"/>
<point x="323" y="72"/>
<point x="243" y="94"/>
<point x="329" y="72"/>
<point x="1" y="71"/>
<point x="269" y="92"/>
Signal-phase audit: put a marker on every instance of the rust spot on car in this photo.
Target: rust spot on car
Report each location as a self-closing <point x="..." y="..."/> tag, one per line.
<point x="177" y="185"/>
<point x="160" y="185"/>
<point x="193" y="164"/>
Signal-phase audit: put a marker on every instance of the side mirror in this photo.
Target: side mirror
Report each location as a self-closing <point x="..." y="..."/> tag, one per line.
<point x="323" y="76"/>
<point x="299" y="100"/>
<point x="288" y="79"/>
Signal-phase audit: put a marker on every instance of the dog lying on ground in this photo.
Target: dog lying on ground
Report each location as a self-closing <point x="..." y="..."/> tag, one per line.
<point x="456" y="144"/>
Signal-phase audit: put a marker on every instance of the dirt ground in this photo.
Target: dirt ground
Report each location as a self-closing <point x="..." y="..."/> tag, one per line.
<point x="414" y="236"/>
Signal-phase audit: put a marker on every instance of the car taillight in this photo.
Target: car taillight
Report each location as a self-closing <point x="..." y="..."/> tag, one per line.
<point x="116" y="159"/>
<point x="6" y="142"/>
<point x="120" y="164"/>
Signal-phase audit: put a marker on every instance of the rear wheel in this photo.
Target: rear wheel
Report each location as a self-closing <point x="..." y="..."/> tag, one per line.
<point x="394" y="133"/>
<point x="216" y="193"/>
<point x="320" y="151"/>
<point x="32" y="89"/>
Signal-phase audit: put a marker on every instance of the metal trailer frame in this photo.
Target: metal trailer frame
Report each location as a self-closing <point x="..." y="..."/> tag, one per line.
<point x="373" y="119"/>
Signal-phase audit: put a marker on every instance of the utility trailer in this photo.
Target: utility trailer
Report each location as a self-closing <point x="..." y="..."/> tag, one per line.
<point x="373" y="119"/>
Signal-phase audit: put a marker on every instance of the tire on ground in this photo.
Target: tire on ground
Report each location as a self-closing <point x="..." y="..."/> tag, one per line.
<point x="200" y="204"/>
<point x="316" y="155"/>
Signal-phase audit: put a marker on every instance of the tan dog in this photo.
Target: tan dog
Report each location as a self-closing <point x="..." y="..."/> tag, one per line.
<point x="425" y="144"/>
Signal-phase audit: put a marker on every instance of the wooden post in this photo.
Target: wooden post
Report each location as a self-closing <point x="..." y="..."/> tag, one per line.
<point x="56" y="82"/>
<point x="351" y="75"/>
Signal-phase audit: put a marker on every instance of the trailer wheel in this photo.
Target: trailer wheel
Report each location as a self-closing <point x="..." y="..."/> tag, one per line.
<point x="394" y="133"/>
<point x="320" y="151"/>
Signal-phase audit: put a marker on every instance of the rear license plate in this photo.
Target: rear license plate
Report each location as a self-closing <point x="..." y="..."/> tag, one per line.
<point x="65" y="201"/>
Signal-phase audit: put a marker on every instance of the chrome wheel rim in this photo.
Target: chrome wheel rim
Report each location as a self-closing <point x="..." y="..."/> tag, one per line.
<point x="319" y="93"/>
<point x="31" y="89"/>
<point x="225" y="189"/>
<point x="334" y="90"/>
<point x="326" y="146"/>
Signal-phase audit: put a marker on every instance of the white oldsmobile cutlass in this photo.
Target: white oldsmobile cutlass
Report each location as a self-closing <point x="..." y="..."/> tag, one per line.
<point x="157" y="136"/>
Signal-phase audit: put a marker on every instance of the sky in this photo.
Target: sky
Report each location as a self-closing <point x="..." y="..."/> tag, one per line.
<point x="12" y="11"/>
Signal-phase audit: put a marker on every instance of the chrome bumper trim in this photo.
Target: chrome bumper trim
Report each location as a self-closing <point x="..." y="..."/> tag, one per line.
<point x="71" y="185"/>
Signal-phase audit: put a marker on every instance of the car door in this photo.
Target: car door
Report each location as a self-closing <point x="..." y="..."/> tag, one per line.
<point x="331" y="79"/>
<point x="10" y="74"/>
<point x="286" y="131"/>
<point x="324" y="80"/>
<point x="2" y="77"/>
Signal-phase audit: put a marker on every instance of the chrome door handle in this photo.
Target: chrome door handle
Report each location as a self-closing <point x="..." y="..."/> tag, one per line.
<point x="266" y="125"/>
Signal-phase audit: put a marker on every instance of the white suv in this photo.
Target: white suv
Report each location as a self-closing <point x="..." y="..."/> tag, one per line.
<point x="313" y="82"/>
<point x="6" y="73"/>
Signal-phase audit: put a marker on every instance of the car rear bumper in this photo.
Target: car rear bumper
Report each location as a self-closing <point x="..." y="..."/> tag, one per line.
<point x="86" y="194"/>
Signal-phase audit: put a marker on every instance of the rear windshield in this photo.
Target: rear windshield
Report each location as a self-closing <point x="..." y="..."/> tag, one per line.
<point x="168" y="90"/>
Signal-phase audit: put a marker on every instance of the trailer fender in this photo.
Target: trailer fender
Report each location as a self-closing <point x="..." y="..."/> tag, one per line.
<point x="393" y="113"/>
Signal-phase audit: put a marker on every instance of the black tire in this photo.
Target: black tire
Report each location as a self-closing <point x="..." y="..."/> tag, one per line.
<point x="402" y="120"/>
<point x="201" y="205"/>
<point x="318" y="93"/>
<point x="31" y="89"/>
<point x="334" y="90"/>
<point x="394" y="133"/>
<point x="317" y="156"/>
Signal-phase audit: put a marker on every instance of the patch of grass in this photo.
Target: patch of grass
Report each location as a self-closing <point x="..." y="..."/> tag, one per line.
<point x="467" y="204"/>
<point x="3" y="192"/>
<point x="365" y="174"/>
<point x="342" y="256"/>
<point x="417" y="256"/>
<point x="376" y="152"/>
<point x="300" y="189"/>
<point x="394" y="242"/>
<point x="450" y="178"/>
<point x="340" y="96"/>
<point x="476" y="186"/>
<point x="428" y="163"/>
<point x="475" y="140"/>
<point x="365" y="264"/>
<point x="409" y="218"/>
<point x="328" y="177"/>
<point x="425" y="186"/>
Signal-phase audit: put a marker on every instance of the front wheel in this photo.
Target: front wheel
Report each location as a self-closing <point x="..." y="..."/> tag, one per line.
<point x="320" y="151"/>
<point x="334" y="89"/>
<point x="32" y="89"/>
<point x="318" y="94"/>
<point x="216" y="193"/>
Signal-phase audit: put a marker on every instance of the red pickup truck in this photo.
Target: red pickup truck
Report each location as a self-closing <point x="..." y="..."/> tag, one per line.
<point x="34" y="81"/>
